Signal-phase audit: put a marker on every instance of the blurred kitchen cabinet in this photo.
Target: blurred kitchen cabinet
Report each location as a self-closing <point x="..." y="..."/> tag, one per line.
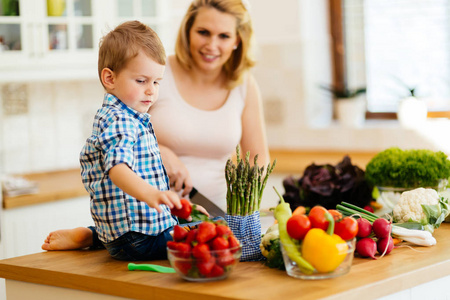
<point x="58" y="39"/>
<point x="24" y="229"/>
<point x="47" y="39"/>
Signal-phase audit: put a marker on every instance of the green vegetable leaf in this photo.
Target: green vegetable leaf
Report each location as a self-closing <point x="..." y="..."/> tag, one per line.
<point x="437" y="213"/>
<point x="410" y="168"/>
<point x="196" y="216"/>
<point x="275" y="257"/>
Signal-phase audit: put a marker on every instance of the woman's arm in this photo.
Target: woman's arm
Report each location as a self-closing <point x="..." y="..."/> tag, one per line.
<point x="132" y="184"/>
<point x="253" y="127"/>
<point x="178" y="173"/>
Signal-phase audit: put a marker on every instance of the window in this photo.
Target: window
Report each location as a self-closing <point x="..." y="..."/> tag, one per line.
<point x="392" y="47"/>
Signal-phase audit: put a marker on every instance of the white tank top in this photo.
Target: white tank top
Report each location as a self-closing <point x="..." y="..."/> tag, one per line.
<point x="203" y="140"/>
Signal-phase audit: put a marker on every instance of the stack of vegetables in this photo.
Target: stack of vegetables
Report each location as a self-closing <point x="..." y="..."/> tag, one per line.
<point x="316" y="242"/>
<point x="410" y="231"/>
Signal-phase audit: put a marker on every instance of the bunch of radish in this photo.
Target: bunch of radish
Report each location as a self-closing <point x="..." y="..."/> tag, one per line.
<point x="373" y="238"/>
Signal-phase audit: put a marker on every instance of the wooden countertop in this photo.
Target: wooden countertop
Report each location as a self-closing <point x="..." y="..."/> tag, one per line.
<point x="60" y="185"/>
<point x="53" y="186"/>
<point x="95" y="271"/>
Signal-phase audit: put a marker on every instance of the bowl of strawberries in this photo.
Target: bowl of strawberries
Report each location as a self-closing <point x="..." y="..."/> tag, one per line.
<point x="205" y="252"/>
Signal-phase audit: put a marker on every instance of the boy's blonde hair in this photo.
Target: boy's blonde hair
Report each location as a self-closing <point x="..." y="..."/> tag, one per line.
<point x="241" y="59"/>
<point x="124" y="42"/>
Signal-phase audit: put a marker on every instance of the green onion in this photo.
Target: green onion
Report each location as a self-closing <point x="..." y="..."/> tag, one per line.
<point x="348" y="209"/>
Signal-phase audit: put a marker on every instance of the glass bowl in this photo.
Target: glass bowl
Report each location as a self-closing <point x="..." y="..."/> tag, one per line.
<point x="219" y="266"/>
<point x="293" y="270"/>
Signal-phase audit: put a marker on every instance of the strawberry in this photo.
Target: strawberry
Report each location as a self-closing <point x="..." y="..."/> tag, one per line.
<point x="184" y="250"/>
<point x="183" y="266"/>
<point x="220" y="222"/>
<point x="233" y="243"/>
<point x="219" y="243"/>
<point x="225" y="259"/>
<point x="172" y="245"/>
<point x="216" y="271"/>
<point x="185" y="211"/>
<point x="206" y="231"/>
<point x="191" y="237"/>
<point x="179" y="233"/>
<point x="223" y="230"/>
<point x="205" y="267"/>
<point x="201" y="252"/>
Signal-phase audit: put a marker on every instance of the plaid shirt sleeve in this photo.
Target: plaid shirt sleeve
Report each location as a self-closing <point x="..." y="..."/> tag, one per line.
<point x="117" y="142"/>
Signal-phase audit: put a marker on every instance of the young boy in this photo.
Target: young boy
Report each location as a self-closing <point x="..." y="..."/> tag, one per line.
<point x="121" y="166"/>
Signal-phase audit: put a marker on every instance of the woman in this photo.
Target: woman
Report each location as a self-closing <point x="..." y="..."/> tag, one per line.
<point x="208" y="104"/>
<point x="208" y="101"/>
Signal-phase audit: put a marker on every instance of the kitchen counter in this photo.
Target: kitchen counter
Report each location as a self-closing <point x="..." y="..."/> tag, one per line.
<point x="53" y="186"/>
<point x="81" y="273"/>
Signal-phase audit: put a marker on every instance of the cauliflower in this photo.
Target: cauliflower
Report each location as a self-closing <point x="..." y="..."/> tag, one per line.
<point x="423" y="206"/>
<point x="270" y="248"/>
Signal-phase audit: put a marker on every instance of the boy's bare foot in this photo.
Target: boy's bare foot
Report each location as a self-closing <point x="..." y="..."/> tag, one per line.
<point x="68" y="239"/>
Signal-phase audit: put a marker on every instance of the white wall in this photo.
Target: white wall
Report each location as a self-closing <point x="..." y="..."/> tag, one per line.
<point x="293" y="54"/>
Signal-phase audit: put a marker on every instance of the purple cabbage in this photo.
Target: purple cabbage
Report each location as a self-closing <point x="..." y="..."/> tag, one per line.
<point x="328" y="185"/>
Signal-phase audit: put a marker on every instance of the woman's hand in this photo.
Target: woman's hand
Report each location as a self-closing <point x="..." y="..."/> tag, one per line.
<point x="178" y="174"/>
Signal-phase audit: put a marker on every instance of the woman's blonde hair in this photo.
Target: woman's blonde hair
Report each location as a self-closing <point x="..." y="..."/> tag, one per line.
<point x="241" y="59"/>
<point x="124" y="42"/>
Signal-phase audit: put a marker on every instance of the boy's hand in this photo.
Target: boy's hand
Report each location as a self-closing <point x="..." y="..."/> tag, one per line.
<point x="168" y="198"/>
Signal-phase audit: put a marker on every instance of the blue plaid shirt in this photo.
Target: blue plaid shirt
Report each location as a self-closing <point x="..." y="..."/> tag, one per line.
<point x="122" y="135"/>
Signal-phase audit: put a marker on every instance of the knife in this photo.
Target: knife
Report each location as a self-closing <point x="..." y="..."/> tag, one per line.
<point x="198" y="198"/>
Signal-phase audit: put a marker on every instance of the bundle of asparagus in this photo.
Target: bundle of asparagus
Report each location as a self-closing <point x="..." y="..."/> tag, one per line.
<point x="245" y="184"/>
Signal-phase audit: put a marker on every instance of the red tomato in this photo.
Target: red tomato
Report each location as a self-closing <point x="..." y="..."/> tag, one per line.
<point x="347" y="228"/>
<point x="317" y="217"/>
<point x="185" y="211"/>
<point x="297" y="226"/>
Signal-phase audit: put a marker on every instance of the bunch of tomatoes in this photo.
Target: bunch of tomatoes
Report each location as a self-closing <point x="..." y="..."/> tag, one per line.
<point x="299" y="223"/>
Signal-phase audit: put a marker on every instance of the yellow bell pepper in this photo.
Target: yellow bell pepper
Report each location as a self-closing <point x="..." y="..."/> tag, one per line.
<point x="323" y="249"/>
<point x="282" y="213"/>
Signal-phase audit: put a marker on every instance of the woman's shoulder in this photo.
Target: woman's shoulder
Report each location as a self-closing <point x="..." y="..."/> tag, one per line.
<point x="248" y="85"/>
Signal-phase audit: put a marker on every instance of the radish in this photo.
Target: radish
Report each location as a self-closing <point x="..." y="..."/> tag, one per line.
<point x="385" y="244"/>
<point x="382" y="228"/>
<point x="364" y="228"/>
<point x="366" y="247"/>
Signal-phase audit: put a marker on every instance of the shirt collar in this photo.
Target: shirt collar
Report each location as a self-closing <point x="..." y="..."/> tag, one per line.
<point x="112" y="100"/>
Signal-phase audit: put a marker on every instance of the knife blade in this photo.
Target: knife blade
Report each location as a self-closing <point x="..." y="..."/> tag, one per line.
<point x="198" y="198"/>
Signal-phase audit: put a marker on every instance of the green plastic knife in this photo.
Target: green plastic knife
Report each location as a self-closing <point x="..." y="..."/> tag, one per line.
<point x="150" y="267"/>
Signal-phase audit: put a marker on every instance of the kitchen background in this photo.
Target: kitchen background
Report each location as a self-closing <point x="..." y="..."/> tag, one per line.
<point x="49" y="91"/>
